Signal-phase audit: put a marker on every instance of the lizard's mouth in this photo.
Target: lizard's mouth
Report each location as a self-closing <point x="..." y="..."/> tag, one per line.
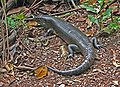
<point x="35" y="21"/>
<point x="30" y="19"/>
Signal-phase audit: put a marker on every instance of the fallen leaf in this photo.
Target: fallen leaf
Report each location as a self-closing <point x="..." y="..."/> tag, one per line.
<point x="62" y="85"/>
<point x="88" y="22"/>
<point x="10" y="68"/>
<point x="83" y="1"/>
<point x="2" y="70"/>
<point x="16" y="10"/>
<point x="80" y="19"/>
<point x="31" y="24"/>
<point x="1" y="84"/>
<point x="98" y="70"/>
<point x="48" y="7"/>
<point x="115" y="82"/>
<point x="91" y="2"/>
<point x="91" y="32"/>
<point x="63" y="51"/>
<point x="115" y="61"/>
<point x="40" y="72"/>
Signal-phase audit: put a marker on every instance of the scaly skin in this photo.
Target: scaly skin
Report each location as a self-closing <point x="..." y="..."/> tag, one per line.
<point x="70" y="35"/>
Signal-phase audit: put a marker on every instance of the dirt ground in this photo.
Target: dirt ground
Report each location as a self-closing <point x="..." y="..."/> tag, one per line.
<point x="103" y="73"/>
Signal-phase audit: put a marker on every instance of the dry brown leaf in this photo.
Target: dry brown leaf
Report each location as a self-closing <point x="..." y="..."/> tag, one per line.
<point x="83" y="1"/>
<point x="10" y="68"/>
<point x="88" y="22"/>
<point x="31" y="24"/>
<point x="2" y="70"/>
<point x="16" y="10"/>
<point x="63" y="51"/>
<point x="115" y="82"/>
<point x="40" y="72"/>
<point x="90" y="32"/>
<point x="91" y="2"/>
<point x="115" y="61"/>
<point x="1" y="84"/>
<point x="48" y="7"/>
<point x="98" y="70"/>
<point x="62" y="85"/>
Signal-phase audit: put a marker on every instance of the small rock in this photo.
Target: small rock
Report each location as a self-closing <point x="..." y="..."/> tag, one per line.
<point x="115" y="82"/>
<point x="1" y="84"/>
<point x="62" y="85"/>
<point x="59" y="83"/>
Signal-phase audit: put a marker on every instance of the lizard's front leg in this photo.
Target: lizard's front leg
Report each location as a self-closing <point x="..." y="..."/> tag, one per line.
<point x="95" y="43"/>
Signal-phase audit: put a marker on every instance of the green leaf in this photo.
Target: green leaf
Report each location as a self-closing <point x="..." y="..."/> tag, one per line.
<point x="20" y="16"/>
<point x="101" y="2"/>
<point x="93" y="19"/>
<point x="107" y="30"/>
<point x="108" y="12"/>
<point x="114" y="26"/>
<point x="11" y="22"/>
<point x="89" y="8"/>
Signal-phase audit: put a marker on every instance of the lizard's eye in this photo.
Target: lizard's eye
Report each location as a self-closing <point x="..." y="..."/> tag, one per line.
<point x="43" y="23"/>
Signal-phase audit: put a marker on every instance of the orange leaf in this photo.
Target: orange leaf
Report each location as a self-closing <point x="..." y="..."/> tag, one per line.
<point x="40" y="72"/>
<point x="91" y="2"/>
<point x="10" y="68"/>
<point x="32" y="23"/>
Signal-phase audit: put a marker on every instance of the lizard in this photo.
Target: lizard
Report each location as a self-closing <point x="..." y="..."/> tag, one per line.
<point x="77" y="42"/>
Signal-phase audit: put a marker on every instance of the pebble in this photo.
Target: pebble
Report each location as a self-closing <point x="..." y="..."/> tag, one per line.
<point x="62" y="85"/>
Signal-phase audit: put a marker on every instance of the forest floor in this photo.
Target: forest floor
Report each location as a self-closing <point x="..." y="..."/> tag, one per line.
<point x="105" y="72"/>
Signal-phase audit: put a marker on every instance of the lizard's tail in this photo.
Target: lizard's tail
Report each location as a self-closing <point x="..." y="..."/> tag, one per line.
<point x="89" y="59"/>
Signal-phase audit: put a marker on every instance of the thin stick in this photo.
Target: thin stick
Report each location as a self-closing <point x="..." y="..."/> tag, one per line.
<point x="73" y="3"/>
<point x="33" y="3"/>
<point x="4" y="51"/>
<point x="67" y="11"/>
<point x="110" y="3"/>
<point x="24" y="68"/>
<point x="36" y="4"/>
<point x="3" y="36"/>
<point x="25" y="47"/>
<point x="6" y="27"/>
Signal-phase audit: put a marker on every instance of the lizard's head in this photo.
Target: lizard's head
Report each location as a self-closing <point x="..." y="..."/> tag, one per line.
<point x="44" y="20"/>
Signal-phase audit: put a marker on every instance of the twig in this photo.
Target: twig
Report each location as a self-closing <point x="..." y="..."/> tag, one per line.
<point x="25" y="47"/>
<point x="2" y="70"/>
<point x="24" y="68"/>
<point x="73" y="3"/>
<point x="67" y="11"/>
<point x="110" y="4"/>
<point x="36" y="5"/>
<point x="6" y="27"/>
<point x="4" y="51"/>
<point x="46" y="38"/>
<point x="11" y="39"/>
<point x="33" y="3"/>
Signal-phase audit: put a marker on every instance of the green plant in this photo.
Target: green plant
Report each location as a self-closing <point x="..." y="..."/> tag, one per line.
<point x="103" y="17"/>
<point x="15" y="20"/>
